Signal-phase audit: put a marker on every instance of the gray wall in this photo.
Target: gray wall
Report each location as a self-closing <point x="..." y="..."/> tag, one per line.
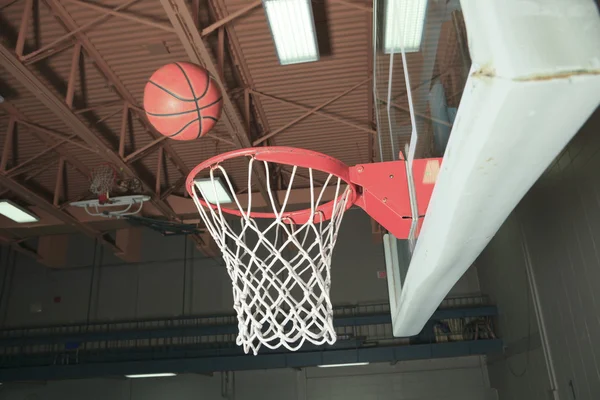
<point x="520" y="373"/>
<point x="560" y="222"/>
<point x="165" y="283"/>
<point x="168" y="284"/>
<point x="445" y="379"/>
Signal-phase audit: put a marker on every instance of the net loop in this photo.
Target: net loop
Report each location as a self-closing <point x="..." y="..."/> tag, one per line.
<point x="279" y="267"/>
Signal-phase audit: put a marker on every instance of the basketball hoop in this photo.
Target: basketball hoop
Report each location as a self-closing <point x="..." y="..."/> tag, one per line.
<point x="115" y="207"/>
<point x="102" y="180"/>
<point x="279" y="260"/>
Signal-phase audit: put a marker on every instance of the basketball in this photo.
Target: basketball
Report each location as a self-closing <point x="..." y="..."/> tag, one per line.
<point x="182" y="101"/>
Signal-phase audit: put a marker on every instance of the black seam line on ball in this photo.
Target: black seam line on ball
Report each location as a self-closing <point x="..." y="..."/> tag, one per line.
<point x="182" y="129"/>
<point x="194" y="96"/>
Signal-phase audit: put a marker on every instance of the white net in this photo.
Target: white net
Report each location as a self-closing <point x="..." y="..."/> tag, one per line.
<point x="102" y="179"/>
<point x="280" y="270"/>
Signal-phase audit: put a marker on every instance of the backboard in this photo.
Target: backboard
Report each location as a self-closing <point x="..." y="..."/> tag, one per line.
<point x="411" y="73"/>
<point x="516" y="113"/>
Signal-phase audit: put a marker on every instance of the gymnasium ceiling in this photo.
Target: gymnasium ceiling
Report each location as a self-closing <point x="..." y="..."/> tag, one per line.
<point x="72" y="76"/>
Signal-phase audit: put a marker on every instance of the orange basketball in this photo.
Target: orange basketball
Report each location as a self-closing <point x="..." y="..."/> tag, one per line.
<point x="182" y="101"/>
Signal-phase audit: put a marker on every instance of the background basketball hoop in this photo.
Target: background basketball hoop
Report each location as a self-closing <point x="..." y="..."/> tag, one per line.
<point x="102" y="181"/>
<point x="279" y="260"/>
<point x="105" y="181"/>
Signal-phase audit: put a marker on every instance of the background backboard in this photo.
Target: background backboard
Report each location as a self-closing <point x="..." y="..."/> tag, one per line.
<point x="417" y="85"/>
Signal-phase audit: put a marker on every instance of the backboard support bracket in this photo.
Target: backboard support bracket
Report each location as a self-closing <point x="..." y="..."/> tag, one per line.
<point x="381" y="198"/>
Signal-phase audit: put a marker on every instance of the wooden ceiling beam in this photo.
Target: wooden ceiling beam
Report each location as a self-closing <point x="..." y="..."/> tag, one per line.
<point x="198" y="52"/>
<point x="62" y="111"/>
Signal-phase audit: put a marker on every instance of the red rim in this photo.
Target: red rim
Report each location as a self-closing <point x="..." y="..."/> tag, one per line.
<point x="287" y="156"/>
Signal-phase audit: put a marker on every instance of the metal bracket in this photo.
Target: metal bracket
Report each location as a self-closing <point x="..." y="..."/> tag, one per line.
<point x="384" y="192"/>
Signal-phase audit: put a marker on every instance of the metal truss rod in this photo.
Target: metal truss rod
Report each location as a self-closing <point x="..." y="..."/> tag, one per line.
<point x="310" y="112"/>
<point x="128" y="16"/>
<point x="59" y="185"/>
<point x="181" y="18"/>
<point x="59" y="10"/>
<point x="8" y="143"/>
<point x="318" y="112"/>
<point x="57" y="135"/>
<point x="35" y="199"/>
<point x="78" y="165"/>
<point x="62" y="111"/>
<point x="14" y="171"/>
<point x="230" y="17"/>
<point x="43" y="51"/>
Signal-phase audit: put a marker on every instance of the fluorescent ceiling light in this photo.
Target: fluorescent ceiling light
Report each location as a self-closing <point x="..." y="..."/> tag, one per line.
<point x="16" y="213"/>
<point x="213" y="194"/>
<point x="159" y="375"/>
<point x="404" y="22"/>
<point x="343" y="365"/>
<point x="293" y="30"/>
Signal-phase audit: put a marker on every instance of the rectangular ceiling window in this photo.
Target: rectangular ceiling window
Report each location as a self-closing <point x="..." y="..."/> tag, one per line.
<point x="356" y="364"/>
<point x="293" y="29"/>
<point x="16" y="213"/>
<point x="214" y="194"/>
<point x="158" y="375"/>
<point x="404" y="23"/>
